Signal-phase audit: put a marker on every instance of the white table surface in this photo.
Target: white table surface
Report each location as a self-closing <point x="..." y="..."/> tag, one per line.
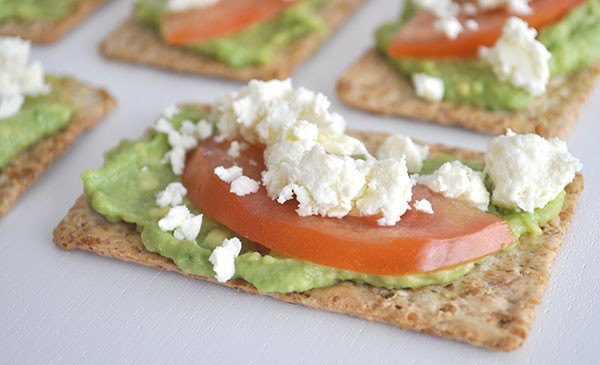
<point x="75" y="307"/>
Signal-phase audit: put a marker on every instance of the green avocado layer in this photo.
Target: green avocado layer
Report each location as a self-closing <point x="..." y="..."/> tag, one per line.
<point x="125" y="189"/>
<point x="255" y="45"/>
<point x="39" y="117"/>
<point x="574" y="43"/>
<point x="32" y="10"/>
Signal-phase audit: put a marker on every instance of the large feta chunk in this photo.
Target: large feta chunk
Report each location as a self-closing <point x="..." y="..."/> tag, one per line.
<point x="518" y="58"/>
<point x="185" y="225"/>
<point x="388" y="189"/>
<point x="397" y="145"/>
<point x="223" y="258"/>
<point x="528" y="171"/>
<point x="456" y="180"/>
<point x="428" y="87"/>
<point x="17" y="78"/>
<point x="448" y="25"/>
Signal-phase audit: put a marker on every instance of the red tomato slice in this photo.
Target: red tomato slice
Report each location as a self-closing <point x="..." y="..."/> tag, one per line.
<point x="221" y="19"/>
<point x="419" y="39"/>
<point x="457" y="232"/>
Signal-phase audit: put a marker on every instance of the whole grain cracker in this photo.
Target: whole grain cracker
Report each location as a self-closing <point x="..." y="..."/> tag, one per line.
<point x="91" y="104"/>
<point x="136" y="43"/>
<point x="493" y="306"/>
<point x="373" y="85"/>
<point x="48" y="31"/>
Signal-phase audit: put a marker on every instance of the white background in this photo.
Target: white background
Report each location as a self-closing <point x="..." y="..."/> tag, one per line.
<point x="67" y="307"/>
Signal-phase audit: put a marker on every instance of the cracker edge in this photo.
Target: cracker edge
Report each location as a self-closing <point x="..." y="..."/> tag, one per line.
<point x="135" y="43"/>
<point x="506" y="330"/>
<point x="45" y="31"/>
<point x="28" y="166"/>
<point x="372" y="85"/>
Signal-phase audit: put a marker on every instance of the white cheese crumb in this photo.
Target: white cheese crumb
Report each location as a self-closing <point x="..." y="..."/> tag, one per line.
<point x="397" y="145"/>
<point x="17" y="78"/>
<point x="469" y="9"/>
<point x="180" y="5"/>
<point x="471" y="24"/>
<point x="528" y="171"/>
<point x="235" y="148"/>
<point x="229" y="174"/>
<point x="170" y="111"/>
<point x="428" y="87"/>
<point x="172" y="195"/>
<point x="204" y="130"/>
<point x="424" y="206"/>
<point x="223" y="258"/>
<point x="440" y="8"/>
<point x="449" y="25"/>
<point x="185" y="225"/>
<point x="456" y="180"/>
<point x="518" y="58"/>
<point x="244" y="185"/>
<point x="519" y="7"/>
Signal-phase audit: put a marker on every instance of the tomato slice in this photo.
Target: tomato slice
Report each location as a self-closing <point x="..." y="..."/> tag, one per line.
<point x="418" y="38"/>
<point x="221" y="19"/>
<point x="457" y="232"/>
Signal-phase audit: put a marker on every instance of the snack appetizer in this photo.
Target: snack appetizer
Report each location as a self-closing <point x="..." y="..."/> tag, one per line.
<point x="43" y="21"/>
<point x="235" y="39"/>
<point x="483" y="65"/>
<point x="265" y="192"/>
<point x="39" y="117"/>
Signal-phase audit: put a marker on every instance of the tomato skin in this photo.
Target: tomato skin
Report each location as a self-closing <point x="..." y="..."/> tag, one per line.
<point x="457" y="233"/>
<point x="418" y="39"/>
<point x="221" y="19"/>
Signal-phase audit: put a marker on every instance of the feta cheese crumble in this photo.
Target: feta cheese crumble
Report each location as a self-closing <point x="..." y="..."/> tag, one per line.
<point x="424" y="206"/>
<point x="229" y="174"/>
<point x="456" y="180"/>
<point x="448" y="25"/>
<point x="308" y="156"/>
<point x="528" y="171"/>
<point x="172" y="195"/>
<point x="519" y="7"/>
<point x="223" y="258"/>
<point x="518" y="58"/>
<point x="180" y="5"/>
<point x="17" y="78"/>
<point x="182" y="140"/>
<point x="244" y="185"/>
<point x="185" y="225"/>
<point x="235" y="149"/>
<point x="397" y="145"/>
<point x="471" y="24"/>
<point x="428" y="87"/>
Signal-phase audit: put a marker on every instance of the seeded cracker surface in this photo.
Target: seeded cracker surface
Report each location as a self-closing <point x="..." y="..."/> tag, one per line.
<point x="493" y="306"/>
<point x="91" y="105"/>
<point x="46" y="31"/>
<point x="136" y="43"/>
<point x="372" y="85"/>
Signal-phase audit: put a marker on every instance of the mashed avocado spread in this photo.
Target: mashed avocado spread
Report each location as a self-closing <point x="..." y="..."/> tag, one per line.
<point x="574" y="43"/>
<point x="125" y="189"/>
<point x="39" y="117"/>
<point x="255" y="45"/>
<point x="31" y="10"/>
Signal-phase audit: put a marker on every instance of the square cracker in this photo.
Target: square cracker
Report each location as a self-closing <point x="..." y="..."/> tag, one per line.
<point x="91" y="105"/>
<point x="136" y="43"/>
<point x="48" y="31"/>
<point x="373" y="85"/>
<point x="492" y="306"/>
